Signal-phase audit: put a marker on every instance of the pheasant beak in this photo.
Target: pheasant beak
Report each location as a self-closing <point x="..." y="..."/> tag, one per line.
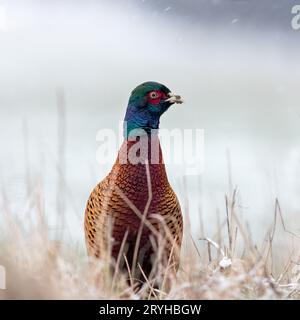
<point x="173" y="98"/>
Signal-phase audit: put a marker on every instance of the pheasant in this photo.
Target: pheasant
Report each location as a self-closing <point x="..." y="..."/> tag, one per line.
<point x="133" y="215"/>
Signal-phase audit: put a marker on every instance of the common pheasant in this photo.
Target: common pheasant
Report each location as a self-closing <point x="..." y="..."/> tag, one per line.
<point x="133" y="215"/>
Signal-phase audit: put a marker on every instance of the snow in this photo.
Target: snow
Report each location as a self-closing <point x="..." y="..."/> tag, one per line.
<point x="225" y="263"/>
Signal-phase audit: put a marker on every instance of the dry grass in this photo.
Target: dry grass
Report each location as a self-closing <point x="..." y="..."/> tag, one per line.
<point x="232" y="268"/>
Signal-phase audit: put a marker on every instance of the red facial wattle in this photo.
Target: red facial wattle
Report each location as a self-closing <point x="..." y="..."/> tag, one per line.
<point x="155" y="97"/>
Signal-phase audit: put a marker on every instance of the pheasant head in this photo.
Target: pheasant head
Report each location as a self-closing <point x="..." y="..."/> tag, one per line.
<point x="146" y="104"/>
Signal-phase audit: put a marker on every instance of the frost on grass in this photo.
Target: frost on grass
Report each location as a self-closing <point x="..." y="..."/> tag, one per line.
<point x="225" y="263"/>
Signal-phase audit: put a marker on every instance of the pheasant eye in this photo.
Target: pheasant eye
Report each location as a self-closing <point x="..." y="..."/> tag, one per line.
<point x="153" y="95"/>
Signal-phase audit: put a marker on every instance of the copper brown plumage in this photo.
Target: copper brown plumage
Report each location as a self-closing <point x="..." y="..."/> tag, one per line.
<point x="135" y="209"/>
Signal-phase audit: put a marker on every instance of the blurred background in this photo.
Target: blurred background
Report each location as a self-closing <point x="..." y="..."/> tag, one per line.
<point x="67" y="70"/>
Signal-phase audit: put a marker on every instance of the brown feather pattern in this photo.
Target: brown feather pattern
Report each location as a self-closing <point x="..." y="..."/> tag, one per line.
<point x="120" y="200"/>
